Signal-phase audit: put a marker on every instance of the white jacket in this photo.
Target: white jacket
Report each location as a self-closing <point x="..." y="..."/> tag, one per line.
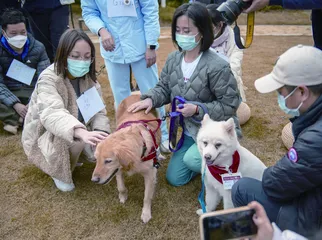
<point x="51" y="120"/>
<point x="225" y="45"/>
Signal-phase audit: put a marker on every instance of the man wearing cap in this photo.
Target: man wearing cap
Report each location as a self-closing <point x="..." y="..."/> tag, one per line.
<point x="291" y="190"/>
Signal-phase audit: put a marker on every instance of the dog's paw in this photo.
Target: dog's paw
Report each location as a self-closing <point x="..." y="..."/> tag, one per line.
<point x="123" y="197"/>
<point x="146" y="216"/>
<point x="199" y="212"/>
<point x="160" y="157"/>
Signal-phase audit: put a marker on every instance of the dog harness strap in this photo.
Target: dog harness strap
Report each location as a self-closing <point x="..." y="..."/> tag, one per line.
<point x="217" y="171"/>
<point x="153" y="153"/>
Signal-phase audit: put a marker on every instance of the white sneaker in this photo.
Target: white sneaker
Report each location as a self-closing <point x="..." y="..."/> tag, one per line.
<point x="64" y="187"/>
<point x="11" y="129"/>
<point x="164" y="147"/>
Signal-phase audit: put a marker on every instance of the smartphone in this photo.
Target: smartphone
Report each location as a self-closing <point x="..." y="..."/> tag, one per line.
<point x="230" y="224"/>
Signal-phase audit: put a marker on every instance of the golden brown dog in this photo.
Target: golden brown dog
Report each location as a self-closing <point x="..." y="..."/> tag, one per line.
<point x="122" y="151"/>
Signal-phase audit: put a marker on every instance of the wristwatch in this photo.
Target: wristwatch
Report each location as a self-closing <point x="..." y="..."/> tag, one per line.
<point x="152" y="47"/>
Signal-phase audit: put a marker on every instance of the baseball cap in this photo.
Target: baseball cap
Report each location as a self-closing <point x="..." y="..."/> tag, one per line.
<point x="299" y="65"/>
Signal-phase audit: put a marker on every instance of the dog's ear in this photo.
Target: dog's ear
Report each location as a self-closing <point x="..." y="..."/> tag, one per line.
<point x="96" y="150"/>
<point x="230" y="126"/>
<point x="205" y="119"/>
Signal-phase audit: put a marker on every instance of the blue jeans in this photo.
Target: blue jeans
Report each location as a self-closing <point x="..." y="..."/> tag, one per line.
<point x="247" y="190"/>
<point x="184" y="164"/>
<point x="146" y="78"/>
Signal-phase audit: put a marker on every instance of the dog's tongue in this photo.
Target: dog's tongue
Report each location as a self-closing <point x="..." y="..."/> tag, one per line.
<point x="209" y="163"/>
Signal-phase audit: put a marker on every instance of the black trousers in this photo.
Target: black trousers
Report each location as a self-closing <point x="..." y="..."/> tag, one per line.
<point x="317" y="27"/>
<point x="48" y="26"/>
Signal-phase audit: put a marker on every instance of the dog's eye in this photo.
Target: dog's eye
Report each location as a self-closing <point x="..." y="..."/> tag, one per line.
<point x="107" y="161"/>
<point x="218" y="145"/>
<point x="205" y="143"/>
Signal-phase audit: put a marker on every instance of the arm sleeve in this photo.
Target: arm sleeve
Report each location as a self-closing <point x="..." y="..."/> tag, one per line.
<point x="298" y="4"/>
<point x="287" y="179"/>
<point x="43" y="61"/>
<point x="53" y="115"/>
<point x="150" y="11"/>
<point x="161" y="93"/>
<point x="224" y="86"/>
<point x="92" y="16"/>
<point x="6" y="96"/>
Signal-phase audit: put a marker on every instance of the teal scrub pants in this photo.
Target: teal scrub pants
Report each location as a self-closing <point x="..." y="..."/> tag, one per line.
<point x="184" y="164"/>
<point x="146" y="78"/>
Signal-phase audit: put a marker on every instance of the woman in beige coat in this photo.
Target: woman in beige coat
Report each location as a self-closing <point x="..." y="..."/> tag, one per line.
<point x="55" y="134"/>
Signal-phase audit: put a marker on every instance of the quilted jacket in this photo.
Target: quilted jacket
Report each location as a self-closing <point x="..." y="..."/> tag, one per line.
<point x="131" y="34"/>
<point x="296" y="179"/>
<point x="36" y="58"/>
<point x="51" y="120"/>
<point x="212" y="83"/>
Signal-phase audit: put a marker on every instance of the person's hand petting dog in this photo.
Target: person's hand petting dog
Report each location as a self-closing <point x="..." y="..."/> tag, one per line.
<point x="90" y="137"/>
<point x="144" y="104"/>
<point x="188" y="110"/>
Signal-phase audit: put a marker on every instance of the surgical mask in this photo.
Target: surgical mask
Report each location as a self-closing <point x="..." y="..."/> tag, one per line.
<point x="78" y="68"/>
<point x="186" y="42"/>
<point x="17" y="41"/>
<point x="282" y="104"/>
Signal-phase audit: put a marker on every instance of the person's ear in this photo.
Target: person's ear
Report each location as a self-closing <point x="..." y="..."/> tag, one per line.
<point x="305" y="92"/>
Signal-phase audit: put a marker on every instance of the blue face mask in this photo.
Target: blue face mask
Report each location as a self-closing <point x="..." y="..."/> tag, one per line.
<point x="282" y="104"/>
<point x="186" y="42"/>
<point x="78" y="68"/>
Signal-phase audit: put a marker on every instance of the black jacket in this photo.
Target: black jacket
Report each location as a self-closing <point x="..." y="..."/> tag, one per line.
<point x="36" y="58"/>
<point x="298" y="184"/>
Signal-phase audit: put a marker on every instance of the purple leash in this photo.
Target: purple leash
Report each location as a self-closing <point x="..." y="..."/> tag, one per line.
<point x="176" y="121"/>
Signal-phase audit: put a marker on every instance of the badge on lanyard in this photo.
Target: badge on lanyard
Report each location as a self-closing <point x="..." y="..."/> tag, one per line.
<point x="292" y="155"/>
<point x="21" y="72"/>
<point x="229" y="179"/>
<point x="90" y="103"/>
<point x="121" y="8"/>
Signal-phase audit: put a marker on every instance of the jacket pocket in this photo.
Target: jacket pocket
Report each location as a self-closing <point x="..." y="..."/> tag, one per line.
<point x="46" y="146"/>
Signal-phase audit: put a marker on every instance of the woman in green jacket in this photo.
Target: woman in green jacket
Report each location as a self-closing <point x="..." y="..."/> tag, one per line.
<point x="196" y="74"/>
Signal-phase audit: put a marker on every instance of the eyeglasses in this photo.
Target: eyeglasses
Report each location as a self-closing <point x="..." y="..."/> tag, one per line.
<point x="81" y="58"/>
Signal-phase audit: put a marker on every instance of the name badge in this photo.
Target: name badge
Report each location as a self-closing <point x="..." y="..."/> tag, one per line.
<point x="90" y="103"/>
<point x="121" y="8"/>
<point x="229" y="179"/>
<point x="21" y="72"/>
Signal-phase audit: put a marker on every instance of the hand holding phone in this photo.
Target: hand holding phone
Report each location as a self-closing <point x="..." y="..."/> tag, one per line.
<point x="230" y="224"/>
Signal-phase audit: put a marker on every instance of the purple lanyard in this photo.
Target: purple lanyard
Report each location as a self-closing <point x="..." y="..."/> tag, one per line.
<point x="176" y="121"/>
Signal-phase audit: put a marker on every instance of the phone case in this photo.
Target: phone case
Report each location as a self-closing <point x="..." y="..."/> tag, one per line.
<point x="217" y="213"/>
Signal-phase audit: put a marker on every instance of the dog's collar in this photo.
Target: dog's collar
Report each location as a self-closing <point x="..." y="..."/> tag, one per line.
<point x="153" y="153"/>
<point x="217" y="171"/>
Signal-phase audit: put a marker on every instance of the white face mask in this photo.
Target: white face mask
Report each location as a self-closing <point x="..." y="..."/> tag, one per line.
<point x="17" y="41"/>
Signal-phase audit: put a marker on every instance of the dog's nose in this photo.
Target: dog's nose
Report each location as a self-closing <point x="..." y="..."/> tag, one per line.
<point x="207" y="157"/>
<point x="95" y="179"/>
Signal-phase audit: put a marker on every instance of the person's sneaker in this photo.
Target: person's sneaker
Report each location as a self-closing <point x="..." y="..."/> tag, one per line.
<point x="64" y="187"/>
<point x="164" y="147"/>
<point x="11" y="129"/>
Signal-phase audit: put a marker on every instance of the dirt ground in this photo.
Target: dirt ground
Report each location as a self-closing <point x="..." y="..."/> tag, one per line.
<point x="32" y="208"/>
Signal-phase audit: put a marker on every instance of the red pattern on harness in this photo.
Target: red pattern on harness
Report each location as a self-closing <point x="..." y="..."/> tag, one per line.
<point x="216" y="171"/>
<point x="153" y="153"/>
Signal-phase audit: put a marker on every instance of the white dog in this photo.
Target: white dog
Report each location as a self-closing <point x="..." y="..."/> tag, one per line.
<point x="218" y="146"/>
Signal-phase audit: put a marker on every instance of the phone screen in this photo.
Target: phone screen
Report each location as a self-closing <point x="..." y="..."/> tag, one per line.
<point x="229" y="226"/>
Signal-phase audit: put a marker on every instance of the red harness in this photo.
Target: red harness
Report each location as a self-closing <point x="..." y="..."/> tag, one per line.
<point x="153" y="153"/>
<point x="216" y="171"/>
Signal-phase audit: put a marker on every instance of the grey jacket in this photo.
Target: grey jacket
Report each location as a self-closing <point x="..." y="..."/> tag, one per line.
<point x="212" y="83"/>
